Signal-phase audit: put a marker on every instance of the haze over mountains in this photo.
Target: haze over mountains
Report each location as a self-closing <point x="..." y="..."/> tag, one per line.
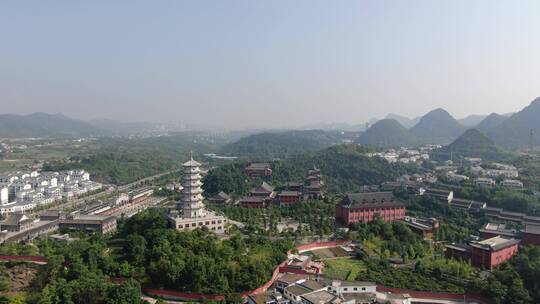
<point x="435" y="127"/>
<point x="472" y="143"/>
<point x="439" y="127"/>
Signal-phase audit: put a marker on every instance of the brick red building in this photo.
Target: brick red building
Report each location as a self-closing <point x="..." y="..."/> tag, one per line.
<point x="363" y="207"/>
<point x="258" y="170"/>
<point x="485" y="254"/>
<point x="289" y="198"/>
<point x="255" y="202"/>
<point x="530" y="235"/>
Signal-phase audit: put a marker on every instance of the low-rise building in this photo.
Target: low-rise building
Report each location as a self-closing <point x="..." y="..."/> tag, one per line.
<point x="440" y="194"/>
<point x="484" y="181"/>
<point x="512" y="173"/>
<point x="456" y="178"/>
<point x="288" y="279"/>
<point x="90" y="224"/>
<point x="296" y="292"/>
<point x="254" y="170"/>
<point x="287" y="197"/>
<point x="512" y="183"/>
<point x="342" y="288"/>
<point x="271" y="297"/>
<point x="364" y="207"/>
<point x="139" y="195"/>
<point x="423" y="227"/>
<point x="486" y="254"/>
<point x="16" y="222"/>
<point x="221" y="198"/>
<point x="255" y="202"/>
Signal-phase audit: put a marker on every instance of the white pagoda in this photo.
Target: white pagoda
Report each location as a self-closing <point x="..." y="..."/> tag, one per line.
<point x="191" y="212"/>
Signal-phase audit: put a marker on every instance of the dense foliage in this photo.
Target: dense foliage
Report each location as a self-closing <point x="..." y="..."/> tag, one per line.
<point x="94" y="270"/>
<point x="196" y="261"/>
<point x="311" y="218"/>
<point x="344" y="167"/>
<point x="266" y="146"/>
<point x="124" y="160"/>
<point x="529" y="170"/>
<point x="472" y="143"/>
<point x="424" y="267"/>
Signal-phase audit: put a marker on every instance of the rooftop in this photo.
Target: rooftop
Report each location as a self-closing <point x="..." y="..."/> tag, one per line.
<point x="258" y="166"/>
<point x="320" y="297"/>
<point x="297" y="290"/>
<point x="532" y="229"/>
<point x="496" y="243"/>
<point x="370" y="199"/>
<point x="291" y="278"/>
<point x="289" y="193"/>
<point x="312" y="285"/>
<point x="14" y="219"/>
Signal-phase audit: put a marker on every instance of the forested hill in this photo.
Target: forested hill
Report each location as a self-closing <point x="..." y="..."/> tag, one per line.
<point x="271" y="145"/>
<point x="45" y="125"/>
<point x="344" y="167"/>
<point x="437" y="126"/>
<point x="473" y="143"/>
<point x="515" y="131"/>
<point x="387" y="133"/>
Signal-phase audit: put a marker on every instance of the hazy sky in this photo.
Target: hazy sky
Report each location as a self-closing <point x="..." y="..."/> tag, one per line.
<point x="267" y="63"/>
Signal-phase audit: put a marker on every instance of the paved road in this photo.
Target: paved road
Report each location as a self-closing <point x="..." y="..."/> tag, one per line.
<point x="150" y="178"/>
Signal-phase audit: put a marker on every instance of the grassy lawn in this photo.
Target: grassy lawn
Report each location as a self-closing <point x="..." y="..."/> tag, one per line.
<point x="343" y="269"/>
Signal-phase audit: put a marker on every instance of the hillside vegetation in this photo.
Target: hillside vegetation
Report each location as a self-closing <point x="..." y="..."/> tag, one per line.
<point x="345" y="168"/>
<point x="387" y="133"/>
<point x="45" y="125"/>
<point x="472" y="143"/>
<point x="282" y="144"/>
<point x="514" y="132"/>
<point x="124" y="160"/>
<point x="437" y="127"/>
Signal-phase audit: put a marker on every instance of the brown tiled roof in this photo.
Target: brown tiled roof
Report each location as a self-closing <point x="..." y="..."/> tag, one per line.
<point x="370" y="199"/>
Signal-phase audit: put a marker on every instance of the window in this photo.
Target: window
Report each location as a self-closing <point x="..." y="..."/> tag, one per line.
<point x="193" y="224"/>
<point x="180" y="226"/>
<point x="363" y="288"/>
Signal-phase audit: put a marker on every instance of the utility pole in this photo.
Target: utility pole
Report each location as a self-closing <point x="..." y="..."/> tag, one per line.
<point x="531" y="135"/>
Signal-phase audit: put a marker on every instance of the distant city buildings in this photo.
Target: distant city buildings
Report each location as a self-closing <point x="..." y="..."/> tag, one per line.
<point x="403" y="155"/>
<point x="23" y="191"/>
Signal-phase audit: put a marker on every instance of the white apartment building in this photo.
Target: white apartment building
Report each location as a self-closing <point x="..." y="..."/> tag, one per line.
<point x="512" y="183"/>
<point x="484" y="181"/>
<point x="22" y="191"/>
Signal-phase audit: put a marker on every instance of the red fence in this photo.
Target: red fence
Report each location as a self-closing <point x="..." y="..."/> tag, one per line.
<point x="315" y="245"/>
<point x="183" y="296"/>
<point x="26" y="258"/>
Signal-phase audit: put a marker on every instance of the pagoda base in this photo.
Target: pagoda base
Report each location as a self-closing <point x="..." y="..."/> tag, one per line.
<point x="215" y="223"/>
